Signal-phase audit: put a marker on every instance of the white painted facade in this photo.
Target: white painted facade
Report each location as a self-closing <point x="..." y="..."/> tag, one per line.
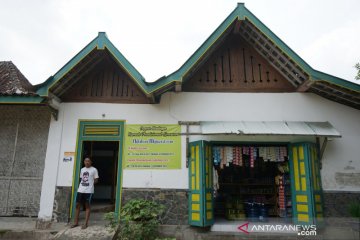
<point x="341" y="154"/>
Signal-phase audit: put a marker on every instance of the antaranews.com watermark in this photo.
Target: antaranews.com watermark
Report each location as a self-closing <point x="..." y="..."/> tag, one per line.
<point x="302" y="230"/>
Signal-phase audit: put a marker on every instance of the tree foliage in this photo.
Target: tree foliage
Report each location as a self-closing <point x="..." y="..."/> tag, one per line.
<point x="357" y="66"/>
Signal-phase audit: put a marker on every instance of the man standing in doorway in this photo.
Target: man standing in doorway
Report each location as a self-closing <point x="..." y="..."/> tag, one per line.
<point x="89" y="176"/>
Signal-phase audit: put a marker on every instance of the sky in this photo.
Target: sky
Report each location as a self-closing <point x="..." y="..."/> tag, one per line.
<point x="158" y="36"/>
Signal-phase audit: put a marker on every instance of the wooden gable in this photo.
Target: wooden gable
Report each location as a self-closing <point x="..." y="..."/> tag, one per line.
<point x="235" y="66"/>
<point x="106" y="82"/>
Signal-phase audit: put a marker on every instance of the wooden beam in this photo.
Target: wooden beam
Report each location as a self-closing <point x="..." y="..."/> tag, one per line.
<point x="178" y="86"/>
<point x="334" y="95"/>
<point x="57" y="88"/>
<point x="237" y="26"/>
<point x="151" y="98"/>
<point x="305" y="85"/>
<point x="199" y="63"/>
<point x="258" y="37"/>
<point x="260" y="51"/>
<point x="53" y="96"/>
<point x="54" y="112"/>
<point x="79" y="74"/>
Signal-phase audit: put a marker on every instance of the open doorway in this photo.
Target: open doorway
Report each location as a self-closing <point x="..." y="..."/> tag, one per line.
<point x="104" y="155"/>
<point x="253" y="183"/>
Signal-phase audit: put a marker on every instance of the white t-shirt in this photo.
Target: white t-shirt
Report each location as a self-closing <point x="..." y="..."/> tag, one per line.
<point x="87" y="176"/>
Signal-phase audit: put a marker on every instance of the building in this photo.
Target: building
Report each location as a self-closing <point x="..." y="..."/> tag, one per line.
<point x="244" y="103"/>
<point x="24" y="132"/>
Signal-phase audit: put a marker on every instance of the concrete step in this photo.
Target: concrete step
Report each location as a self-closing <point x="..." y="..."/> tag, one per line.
<point x="93" y="232"/>
<point x="25" y="234"/>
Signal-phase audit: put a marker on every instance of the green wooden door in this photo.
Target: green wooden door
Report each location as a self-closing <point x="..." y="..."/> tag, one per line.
<point x="305" y="184"/>
<point x="317" y="194"/>
<point x="208" y="184"/>
<point x="201" y="212"/>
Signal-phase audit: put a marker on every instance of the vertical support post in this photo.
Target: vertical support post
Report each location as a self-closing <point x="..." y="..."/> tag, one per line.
<point x="12" y="166"/>
<point x="187" y="146"/>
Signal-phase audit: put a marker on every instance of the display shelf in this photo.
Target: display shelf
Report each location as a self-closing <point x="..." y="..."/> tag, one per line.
<point x="248" y="184"/>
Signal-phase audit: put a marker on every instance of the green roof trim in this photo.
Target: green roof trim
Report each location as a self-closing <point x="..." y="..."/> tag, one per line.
<point x="321" y="76"/>
<point x="196" y="56"/>
<point x="21" y="99"/>
<point x="100" y="42"/>
<point x="131" y="70"/>
<point x="239" y="13"/>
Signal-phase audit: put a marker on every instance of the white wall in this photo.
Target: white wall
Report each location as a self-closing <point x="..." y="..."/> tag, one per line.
<point x="133" y="114"/>
<point x="176" y="107"/>
<point x="341" y="155"/>
<point x="52" y="161"/>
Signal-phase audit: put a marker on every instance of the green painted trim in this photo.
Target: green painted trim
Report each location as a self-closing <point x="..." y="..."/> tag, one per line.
<point x="318" y="223"/>
<point x="310" y="192"/>
<point x="309" y="184"/>
<point x="202" y="184"/>
<point x="309" y="188"/>
<point x="78" y="158"/>
<point x="321" y="76"/>
<point x="201" y="143"/>
<point x="21" y="99"/>
<point x="191" y="222"/>
<point x="292" y="184"/>
<point x="74" y="170"/>
<point x="44" y="88"/>
<point x="100" y="42"/>
<point x="196" y="56"/>
<point x="119" y="178"/>
<point x="207" y="222"/>
<point x="239" y="13"/>
<point x="129" y="68"/>
<point x="189" y="186"/>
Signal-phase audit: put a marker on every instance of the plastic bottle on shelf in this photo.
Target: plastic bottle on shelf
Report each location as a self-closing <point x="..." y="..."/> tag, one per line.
<point x="263" y="213"/>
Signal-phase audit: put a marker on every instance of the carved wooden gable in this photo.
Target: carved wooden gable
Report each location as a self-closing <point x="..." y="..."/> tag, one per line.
<point x="236" y="67"/>
<point x="107" y="82"/>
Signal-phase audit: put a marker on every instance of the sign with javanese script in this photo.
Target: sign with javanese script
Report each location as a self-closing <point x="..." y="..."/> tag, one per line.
<point x="152" y="146"/>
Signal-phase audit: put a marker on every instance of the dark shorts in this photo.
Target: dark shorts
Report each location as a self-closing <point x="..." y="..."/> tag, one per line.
<point x="83" y="198"/>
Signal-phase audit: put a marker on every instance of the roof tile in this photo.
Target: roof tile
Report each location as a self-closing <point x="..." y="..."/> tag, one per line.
<point x="13" y="82"/>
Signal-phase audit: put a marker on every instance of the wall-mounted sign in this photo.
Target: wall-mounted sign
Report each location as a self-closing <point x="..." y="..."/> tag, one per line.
<point x="149" y="146"/>
<point x="68" y="156"/>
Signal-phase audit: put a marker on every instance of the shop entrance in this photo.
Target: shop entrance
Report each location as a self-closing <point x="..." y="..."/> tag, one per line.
<point x="104" y="155"/>
<point x="252" y="182"/>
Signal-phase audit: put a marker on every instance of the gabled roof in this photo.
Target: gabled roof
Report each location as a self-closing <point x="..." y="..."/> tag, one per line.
<point x="272" y="48"/>
<point x="13" y="82"/>
<point x="242" y="13"/>
<point x="101" y="42"/>
<point x="264" y="41"/>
